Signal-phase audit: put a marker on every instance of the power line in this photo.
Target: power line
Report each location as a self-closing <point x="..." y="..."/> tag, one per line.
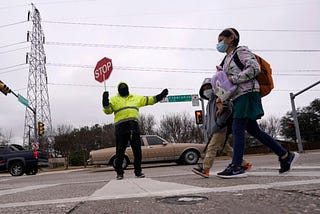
<point x="181" y="70"/>
<point x="13" y="66"/>
<point x="13" y="44"/>
<point x="14" y="6"/>
<point x="17" y="49"/>
<point x="139" y="87"/>
<point x="96" y="45"/>
<point x="46" y="3"/>
<point x="99" y="86"/>
<point x="64" y="2"/>
<point x="164" y="69"/>
<point x="297" y="72"/>
<point x="177" y="28"/>
<point x="126" y="46"/>
<point x="16" y="23"/>
<point x="17" y="69"/>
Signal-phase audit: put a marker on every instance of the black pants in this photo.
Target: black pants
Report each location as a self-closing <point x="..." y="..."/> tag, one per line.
<point x="128" y="132"/>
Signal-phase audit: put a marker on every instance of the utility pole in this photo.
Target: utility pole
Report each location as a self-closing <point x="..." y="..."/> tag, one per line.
<point x="37" y="94"/>
<point x="205" y="136"/>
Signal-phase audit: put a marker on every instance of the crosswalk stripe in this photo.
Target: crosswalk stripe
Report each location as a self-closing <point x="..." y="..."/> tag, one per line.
<point x="151" y="188"/>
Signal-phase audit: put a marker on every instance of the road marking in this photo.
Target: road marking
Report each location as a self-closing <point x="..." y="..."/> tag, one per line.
<point x="135" y="187"/>
<point x="23" y="189"/>
<point x="147" y="187"/>
<point x="297" y="171"/>
<point x="294" y="168"/>
<point x="290" y="174"/>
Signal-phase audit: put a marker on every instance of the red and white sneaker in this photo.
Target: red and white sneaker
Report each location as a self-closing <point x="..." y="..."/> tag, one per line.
<point x="247" y="167"/>
<point x="201" y="172"/>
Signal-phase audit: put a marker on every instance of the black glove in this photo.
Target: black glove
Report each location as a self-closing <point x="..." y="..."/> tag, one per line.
<point x="105" y="99"/>
<point x="162" y="95"/>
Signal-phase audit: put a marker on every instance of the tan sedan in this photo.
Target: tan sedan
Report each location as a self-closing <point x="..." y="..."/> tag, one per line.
<point x="154" y="149"/>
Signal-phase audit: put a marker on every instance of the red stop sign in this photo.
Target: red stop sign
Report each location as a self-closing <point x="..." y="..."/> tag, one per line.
<point x="103" y="69"/>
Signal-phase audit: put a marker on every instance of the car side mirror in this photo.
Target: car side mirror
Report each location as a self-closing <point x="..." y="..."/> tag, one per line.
<point x="164" y="143"/>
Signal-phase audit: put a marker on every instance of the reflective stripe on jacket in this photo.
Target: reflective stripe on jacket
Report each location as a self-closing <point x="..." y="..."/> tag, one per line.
<point x="127" y="108"/>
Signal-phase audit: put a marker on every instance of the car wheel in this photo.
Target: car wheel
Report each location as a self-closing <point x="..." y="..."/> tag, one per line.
<point x="16" y="168"/>
<point x="190" y="157"/>
<point x="33" y="171"/>
<point x="124" y="163"/>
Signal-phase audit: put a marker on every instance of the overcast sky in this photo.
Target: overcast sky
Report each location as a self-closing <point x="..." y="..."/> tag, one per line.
<point x="153" y="45"/>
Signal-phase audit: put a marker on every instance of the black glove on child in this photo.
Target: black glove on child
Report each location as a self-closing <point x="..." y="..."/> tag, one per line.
<point x="105" y="99"/>
<point x="162" y="95"/>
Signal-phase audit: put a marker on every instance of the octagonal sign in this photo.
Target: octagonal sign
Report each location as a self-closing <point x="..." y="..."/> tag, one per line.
<point x="103" y="69"/>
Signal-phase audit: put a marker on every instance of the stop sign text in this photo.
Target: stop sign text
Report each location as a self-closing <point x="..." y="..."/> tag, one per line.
<point x="103" y="69"/>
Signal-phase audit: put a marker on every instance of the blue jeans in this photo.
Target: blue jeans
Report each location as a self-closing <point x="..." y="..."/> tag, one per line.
<point x="239" y="126"/>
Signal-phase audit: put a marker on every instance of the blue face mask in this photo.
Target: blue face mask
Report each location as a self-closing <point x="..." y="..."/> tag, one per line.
<point x="221" y="47"/>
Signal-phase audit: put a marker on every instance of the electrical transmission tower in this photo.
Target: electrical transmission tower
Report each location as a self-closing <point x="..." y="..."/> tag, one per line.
<point x="37" y="95"/>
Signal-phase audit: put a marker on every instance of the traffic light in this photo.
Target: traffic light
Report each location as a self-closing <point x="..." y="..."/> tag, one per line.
<point x="291" y="125"/>
<point x="40" y="128"/>
<point x="199" y="119"/>
<point x="4" y="89"/>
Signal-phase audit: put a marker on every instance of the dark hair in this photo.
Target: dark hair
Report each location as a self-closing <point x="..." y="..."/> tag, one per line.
<point x="231" y="31"/>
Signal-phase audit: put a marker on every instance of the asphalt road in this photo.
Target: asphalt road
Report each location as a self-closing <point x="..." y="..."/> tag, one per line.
<point x="168" y="189"/>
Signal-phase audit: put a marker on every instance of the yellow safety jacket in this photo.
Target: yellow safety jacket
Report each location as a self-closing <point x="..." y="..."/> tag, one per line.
<point x="127" y="108"/>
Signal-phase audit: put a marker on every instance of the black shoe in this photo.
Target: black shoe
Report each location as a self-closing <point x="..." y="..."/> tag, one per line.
<point x="200" y="165"/>
<point x="140" y="175"/>
<point x="287" y="163"/>
<point x="232" y="172"/>
<point x="201" y="172"/>
<point x="119" y="177"/>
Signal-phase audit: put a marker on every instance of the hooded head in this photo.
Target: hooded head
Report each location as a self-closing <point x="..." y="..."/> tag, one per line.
<point x="206" y="85"/>
<point x="123" y="89"/>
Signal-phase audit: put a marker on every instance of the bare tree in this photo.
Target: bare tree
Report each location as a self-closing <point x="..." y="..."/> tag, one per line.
<point x="5" y="138"/>
<point x="63" y="129"/>
<point x="64" y="142"/>
<point x="179" y="128"/>
<point x="2" y="142"/>
<point x="108" y="136"/>
<point x="271" y="125"/>
<point x="147" y="124"/>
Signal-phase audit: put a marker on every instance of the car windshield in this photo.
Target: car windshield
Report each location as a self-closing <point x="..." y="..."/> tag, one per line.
<point x="15" y="147"/>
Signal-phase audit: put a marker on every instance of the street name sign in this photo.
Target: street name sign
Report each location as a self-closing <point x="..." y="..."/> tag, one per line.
<point x="179" y="98"/>
<point x="23" y="100"/>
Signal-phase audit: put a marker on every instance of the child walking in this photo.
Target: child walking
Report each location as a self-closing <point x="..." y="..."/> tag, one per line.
<point x="218" y="116"/>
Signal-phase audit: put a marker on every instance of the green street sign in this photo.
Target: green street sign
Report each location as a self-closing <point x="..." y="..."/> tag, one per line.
<point x="180" y="98"/>
<point x="23" y="100"/>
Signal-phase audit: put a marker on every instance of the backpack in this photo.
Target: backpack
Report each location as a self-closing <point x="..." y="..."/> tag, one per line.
<point x="264" y="78"/>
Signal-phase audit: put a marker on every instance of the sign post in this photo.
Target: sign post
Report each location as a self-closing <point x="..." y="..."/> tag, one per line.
<point x="103" y="70"/>
<point x="195" y="102"/>
<point x="5" y="90"/>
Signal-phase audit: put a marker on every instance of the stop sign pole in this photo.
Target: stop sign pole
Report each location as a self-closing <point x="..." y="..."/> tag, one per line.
<point x="103" y="70"/>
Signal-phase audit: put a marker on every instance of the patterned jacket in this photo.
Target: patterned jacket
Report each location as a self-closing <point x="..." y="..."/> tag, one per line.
<point x="244" y="79"/>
